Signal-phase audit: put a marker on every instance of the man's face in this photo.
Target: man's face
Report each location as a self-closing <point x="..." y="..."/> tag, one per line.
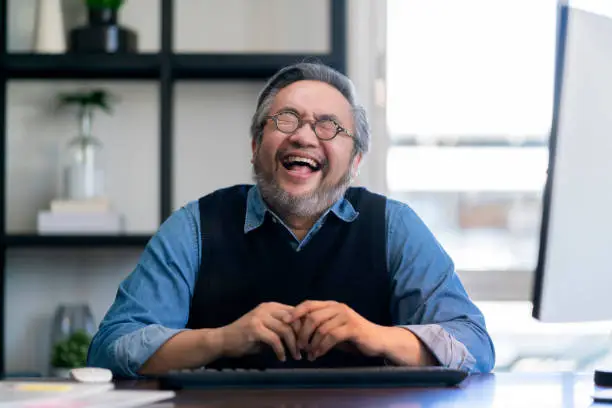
<point x="297" y="172"/>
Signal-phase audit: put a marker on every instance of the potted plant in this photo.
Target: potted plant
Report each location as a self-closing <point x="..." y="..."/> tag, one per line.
<point x="70" y="353"/>
<point x="83" y="167"/>
<point x="102" y="34"/>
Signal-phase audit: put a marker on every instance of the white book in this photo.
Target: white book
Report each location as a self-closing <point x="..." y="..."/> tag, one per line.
<point x="79" y="222"/>
<point x="95" y="205"/>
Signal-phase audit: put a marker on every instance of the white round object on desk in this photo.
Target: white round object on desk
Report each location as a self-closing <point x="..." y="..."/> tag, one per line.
<point x="91" y="375"/>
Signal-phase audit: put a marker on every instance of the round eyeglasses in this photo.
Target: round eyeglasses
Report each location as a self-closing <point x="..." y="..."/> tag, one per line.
<point x="325" y="129"/>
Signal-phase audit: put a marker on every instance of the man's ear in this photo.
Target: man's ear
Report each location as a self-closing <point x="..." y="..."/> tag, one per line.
<point x="356" y="163"/>
<point x="253" y="149"/>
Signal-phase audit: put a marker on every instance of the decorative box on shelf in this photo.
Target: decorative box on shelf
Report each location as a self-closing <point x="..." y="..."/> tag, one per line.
<point x="87" y="217"/>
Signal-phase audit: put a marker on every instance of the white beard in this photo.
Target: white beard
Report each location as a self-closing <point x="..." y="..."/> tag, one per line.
<point x="309" y="205"/>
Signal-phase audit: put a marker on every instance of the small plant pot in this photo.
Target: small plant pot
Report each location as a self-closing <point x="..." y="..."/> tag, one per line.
<point x="103" y="35"/>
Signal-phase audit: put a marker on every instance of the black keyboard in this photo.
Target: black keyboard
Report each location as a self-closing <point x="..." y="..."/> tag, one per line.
<point x="361" y="377"/>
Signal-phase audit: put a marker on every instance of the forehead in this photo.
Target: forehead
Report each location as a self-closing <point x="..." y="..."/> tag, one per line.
<point x="313" y="97"/>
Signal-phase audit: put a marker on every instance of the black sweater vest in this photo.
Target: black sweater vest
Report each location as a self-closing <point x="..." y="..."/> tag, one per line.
<point x="344" y="261"/>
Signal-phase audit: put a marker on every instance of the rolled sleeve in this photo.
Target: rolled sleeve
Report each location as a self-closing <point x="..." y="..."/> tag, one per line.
<point x="132" y="350"/>
<point x="152" y="303"/>
<point x="429" y="299"/>
<point x="445" y="348"/>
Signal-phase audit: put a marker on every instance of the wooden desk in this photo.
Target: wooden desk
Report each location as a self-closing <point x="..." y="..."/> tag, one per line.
<point x="532" y="390"/>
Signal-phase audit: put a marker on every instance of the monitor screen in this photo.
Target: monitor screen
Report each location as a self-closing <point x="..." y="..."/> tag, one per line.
<point x="574" y="272"/>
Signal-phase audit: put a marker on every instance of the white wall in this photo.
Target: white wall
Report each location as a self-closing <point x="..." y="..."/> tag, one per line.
<point x="39" y="280"/>
<point x="212" y="147"/>
<point x="251" y="26"/>
<point x="212" y="144"/>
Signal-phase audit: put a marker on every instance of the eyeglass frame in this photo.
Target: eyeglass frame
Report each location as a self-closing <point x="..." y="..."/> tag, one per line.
<point x="313" y="124"/>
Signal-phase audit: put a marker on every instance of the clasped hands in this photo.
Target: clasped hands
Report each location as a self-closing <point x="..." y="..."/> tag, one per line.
<point x="312" y="326"/>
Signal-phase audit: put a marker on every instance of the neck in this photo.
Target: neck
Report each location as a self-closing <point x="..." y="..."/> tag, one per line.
<point x="299" y="225"/>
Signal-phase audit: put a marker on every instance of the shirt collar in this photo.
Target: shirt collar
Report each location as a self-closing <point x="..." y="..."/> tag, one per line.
<point x="256" y="210"/>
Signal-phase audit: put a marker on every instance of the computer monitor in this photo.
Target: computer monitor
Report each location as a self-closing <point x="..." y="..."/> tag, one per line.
<point x="574" y="272"/>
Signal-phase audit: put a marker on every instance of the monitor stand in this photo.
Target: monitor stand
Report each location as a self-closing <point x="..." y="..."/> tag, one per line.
<point x="603" y="377"/>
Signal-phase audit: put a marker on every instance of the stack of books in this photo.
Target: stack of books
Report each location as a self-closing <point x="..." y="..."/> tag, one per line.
<point x="87" y="217"/>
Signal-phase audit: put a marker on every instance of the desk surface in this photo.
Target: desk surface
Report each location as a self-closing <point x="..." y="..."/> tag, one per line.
<point x="533" y="390"/>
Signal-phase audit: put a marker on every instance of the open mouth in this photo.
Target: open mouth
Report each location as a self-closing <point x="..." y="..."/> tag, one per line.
<point x="299" y="163"/>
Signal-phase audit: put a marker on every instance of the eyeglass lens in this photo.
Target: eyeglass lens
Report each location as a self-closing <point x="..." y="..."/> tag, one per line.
<point x="288" y="122"/>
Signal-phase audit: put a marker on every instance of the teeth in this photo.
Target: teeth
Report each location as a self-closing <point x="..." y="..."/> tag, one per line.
<point x="300" y="159"/>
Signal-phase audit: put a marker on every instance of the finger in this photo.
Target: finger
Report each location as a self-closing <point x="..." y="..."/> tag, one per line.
<point x="270" y="338"/>
<point x="338" y="335"/>
<point x="327" y="327"/>
<point x="279" y="309"/>
<point x="312" y="323"/>
<point x="297" y="326"/>
<point x="306" y="308"/>
<point x="281" y="313"/>
<point x="286" y="332"/>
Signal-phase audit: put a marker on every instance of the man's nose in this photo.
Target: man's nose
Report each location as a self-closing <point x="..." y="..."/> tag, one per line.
<point x="304" y="136"/>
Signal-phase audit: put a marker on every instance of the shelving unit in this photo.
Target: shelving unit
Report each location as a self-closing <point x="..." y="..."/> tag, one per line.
<point x="148" y="66"/>
<point x="165" y="68"/>
<point x="130" y="67"/>
<point x="41" y="241"/>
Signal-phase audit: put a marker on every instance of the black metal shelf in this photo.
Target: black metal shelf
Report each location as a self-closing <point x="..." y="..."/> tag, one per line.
<point x="29" y="241"/>
<point x="148" y="66"/>
<point x="71" y="66"/>
<point x="232" y="66"/>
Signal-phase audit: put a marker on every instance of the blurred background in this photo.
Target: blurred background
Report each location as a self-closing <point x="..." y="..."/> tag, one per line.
<point x="459" y="95"/>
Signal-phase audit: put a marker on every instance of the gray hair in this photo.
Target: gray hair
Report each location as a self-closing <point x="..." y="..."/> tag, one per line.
<point x="315" y="72"/>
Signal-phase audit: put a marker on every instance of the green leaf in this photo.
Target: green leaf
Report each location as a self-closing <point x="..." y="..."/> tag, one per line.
<point x="105" y="4"/>
<point x="98" y="98"/>
<point x="71" y="352"/>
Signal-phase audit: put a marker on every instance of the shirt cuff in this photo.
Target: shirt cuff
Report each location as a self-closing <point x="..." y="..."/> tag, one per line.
<point x="132" y="350"/>
<point x="450" y="352"/>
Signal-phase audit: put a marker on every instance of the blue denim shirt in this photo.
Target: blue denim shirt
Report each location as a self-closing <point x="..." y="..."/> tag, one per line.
<point x="152" y="303"/>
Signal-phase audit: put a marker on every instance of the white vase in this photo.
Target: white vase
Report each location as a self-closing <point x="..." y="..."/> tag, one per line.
<point x="84" y="181"/>
<point x="83" y="163"/>
<point x="50" y="34"/>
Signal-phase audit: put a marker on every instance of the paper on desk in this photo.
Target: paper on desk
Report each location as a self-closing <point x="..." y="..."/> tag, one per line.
<point x="36" y="394"/>
<point x="115" y="399"/>
<point x="13" y="393"/>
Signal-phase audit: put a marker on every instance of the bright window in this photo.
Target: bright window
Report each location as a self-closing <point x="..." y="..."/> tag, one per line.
<point x="469" y="109"/>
